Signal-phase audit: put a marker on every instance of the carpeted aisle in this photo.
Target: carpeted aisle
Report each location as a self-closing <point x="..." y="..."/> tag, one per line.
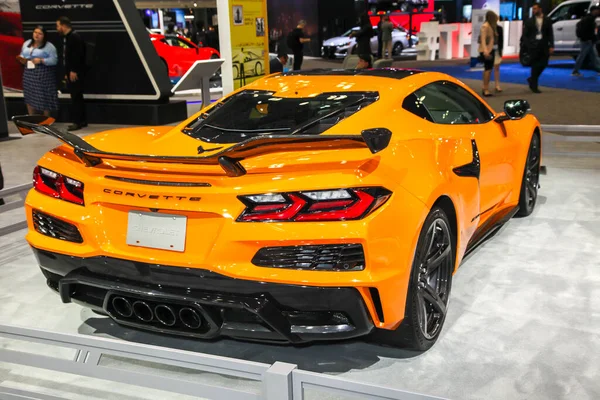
<point x="557" y="75"/>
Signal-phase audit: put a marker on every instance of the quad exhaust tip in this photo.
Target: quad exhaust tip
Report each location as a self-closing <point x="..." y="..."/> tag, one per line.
<point x="190" y="318"/>
<point x="142" y="311"/>
<point x="165" y="315"/>
<point x="122" y="306"/>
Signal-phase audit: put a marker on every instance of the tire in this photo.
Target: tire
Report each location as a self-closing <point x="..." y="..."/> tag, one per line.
<point x="397" y="49"/>
<point x="531" y="178"/>
<point x="421" y="297"/>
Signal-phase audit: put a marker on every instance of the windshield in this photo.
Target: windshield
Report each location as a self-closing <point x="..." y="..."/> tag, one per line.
<point x="253" y="113"/>
<point x="350" y="31"/>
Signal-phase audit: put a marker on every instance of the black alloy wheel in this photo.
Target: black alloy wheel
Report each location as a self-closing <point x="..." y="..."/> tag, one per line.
<point x="397" y="49"/>
<point x="531" y="178"/>
<point x="434" y="277"/>
<point x="429" y="287"/>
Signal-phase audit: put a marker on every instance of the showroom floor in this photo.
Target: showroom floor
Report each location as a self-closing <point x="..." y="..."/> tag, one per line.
<point x="523" y="319"/>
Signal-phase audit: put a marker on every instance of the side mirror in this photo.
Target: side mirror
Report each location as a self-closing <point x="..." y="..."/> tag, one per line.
<point x="514" y="110"/>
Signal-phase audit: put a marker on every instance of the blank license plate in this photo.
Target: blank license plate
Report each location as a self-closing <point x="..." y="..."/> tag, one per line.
<point x="156" y="231"/>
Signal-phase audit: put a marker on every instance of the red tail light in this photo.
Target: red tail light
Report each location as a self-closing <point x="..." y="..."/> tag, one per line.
<point x="322" y="205"/>
<point x="56" y="185"/>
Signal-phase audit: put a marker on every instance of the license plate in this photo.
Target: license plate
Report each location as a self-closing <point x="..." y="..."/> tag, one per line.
<point x="156" y="231"/>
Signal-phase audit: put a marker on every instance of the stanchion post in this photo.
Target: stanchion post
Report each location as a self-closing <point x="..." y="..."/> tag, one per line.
<point x="277" y="381"/>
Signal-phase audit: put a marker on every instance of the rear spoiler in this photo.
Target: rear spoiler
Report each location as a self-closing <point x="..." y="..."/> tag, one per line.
<point x="229" y="159"/>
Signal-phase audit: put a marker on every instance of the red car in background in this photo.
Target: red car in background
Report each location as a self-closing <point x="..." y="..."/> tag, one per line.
<point x="178" y="53"/>
<point x="11" y="41"/>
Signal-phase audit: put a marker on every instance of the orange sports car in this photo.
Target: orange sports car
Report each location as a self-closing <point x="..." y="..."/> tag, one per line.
<point x="306" y="206"/>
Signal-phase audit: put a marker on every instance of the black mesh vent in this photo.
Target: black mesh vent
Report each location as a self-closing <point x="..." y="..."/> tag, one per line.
<point x="55" y="228"/>
<point x="330" y="257"/>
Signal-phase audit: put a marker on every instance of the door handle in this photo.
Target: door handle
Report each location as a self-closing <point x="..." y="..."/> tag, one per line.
<point x="559" y="29"/>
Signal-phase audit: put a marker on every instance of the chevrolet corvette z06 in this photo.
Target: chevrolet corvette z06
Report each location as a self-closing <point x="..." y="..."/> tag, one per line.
<point x="311" y="205"/>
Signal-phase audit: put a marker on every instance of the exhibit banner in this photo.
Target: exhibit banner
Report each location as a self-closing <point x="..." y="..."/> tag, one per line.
<point x="249" y="41"/>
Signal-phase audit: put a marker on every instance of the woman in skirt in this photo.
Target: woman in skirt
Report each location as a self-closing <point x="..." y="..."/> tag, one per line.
<point x="39" y="78"/>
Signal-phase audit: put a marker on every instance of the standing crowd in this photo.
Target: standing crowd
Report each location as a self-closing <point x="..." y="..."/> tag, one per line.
<point x="39" y="58"/>
<point x="537" y="45"/>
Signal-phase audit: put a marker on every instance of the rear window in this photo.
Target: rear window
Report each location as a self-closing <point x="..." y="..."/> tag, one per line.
<point x="254" y="113"/>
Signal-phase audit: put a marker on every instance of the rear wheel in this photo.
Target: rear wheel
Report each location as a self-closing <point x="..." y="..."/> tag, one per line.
<point x="429" y="287"/>
<point x="531" y="178"/>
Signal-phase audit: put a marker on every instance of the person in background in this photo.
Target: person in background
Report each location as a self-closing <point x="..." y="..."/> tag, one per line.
<point x="296" y="40"/>
<point x="73" y="59"/>
<point x="380" y="48"/>
<point x="488" y="39"/>
<point x="364" y="61"/>
<point x="39" y="77"/>
<point x="170" y="30"/>
<point x="278" y="64"/>
<point x="498" y="57"/>
<point x="363" y="35"/>
<point x="386" y="36"/>
<point x="588" y="40"/>
<point x="539" y="39"/>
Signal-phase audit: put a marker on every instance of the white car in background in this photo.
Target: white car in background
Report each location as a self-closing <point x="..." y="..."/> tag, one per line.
<point x="564" y="22"/>
<point x="341" y="46"/>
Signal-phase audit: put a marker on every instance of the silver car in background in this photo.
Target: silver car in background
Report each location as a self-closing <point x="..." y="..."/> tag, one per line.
<point x="564" y="24"/>
<point x="341" y="46"/>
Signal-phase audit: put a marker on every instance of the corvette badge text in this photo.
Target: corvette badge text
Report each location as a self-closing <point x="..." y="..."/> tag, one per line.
<point x="63" y="6"/>
<point x="149" y="196"/>
<point x="152" y="230"/>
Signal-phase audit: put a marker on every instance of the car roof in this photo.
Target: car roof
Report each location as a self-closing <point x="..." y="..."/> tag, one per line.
<point x="394" y="73"/>
<point x="575" y="2"/>
<point x="388" y="82"/>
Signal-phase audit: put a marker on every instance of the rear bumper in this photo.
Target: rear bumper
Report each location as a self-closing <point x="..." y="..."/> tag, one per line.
<point x="236" y="308"/>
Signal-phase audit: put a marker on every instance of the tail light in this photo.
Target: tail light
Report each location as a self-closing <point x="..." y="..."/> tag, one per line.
<point x="322" y="205"/>
<point x="56" y="185"/>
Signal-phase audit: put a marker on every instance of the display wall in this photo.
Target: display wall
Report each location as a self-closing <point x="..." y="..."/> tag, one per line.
<point x="123" y="62"/>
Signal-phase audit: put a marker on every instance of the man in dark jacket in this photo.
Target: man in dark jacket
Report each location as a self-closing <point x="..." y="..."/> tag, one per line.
<point x="74" y="67"/>
<point x="380" y="38"/>
<point x="296" y="40"/>
<point x="363" y="36"/>
<point x="588" y="38"/>
<point x="538" y="37"/>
